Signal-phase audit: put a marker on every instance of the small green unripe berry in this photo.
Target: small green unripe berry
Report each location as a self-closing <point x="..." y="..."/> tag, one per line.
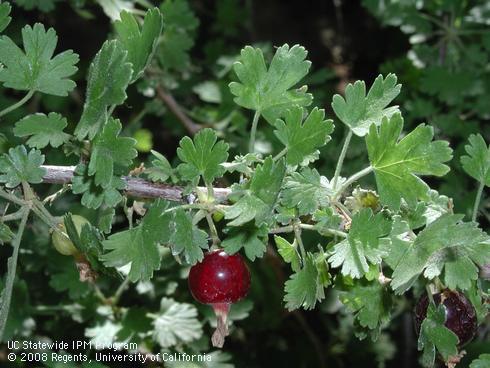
<point x="61" y="242"/>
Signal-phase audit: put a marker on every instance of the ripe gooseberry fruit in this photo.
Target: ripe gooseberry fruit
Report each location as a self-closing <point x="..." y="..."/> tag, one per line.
<point x="219" y="280"/>
<point x="460" y="314"/>
<point x="62" y="243"/>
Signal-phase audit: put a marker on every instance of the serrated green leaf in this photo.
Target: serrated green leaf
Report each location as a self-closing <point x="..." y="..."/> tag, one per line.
<point x="370" y="302"/>
<point x="139" y="43"/>
<point x="187" y="239"/>
<point x="397" y="163"/>
<point x="180" y="22"/>
<point x="269" y="91"/>
<point x="202" y="156"/>
<point x="161" y="169"/>
<point x="176" y="323"/>
<point x="303" y="138"/>
<point x="139" y="245"/>
<point x="259" y="201"/>
<point x="106" y="216"/>
<point x="435" y="336"/>
<point x="108" y="150"/>
<point x="253" y="240"/>
<point x="326" y="220"/>
<point x="94" y="196"/>
<point x="359" y="111"/>
<point x="35" y="69"/>
<point x="448" y="245"/>
<point x="307" y="191"/>
<point x="43" y="130"/>
<point x="477" y="162"/>
<point x="304" y="289"/>
<point x="108" y="77"/>
<point x="288" y="252"/>
<point x="483" y="361"/>
<point x="4" y="15"/>
<point x="19" y="165"/>
<point x="362" y="244"/>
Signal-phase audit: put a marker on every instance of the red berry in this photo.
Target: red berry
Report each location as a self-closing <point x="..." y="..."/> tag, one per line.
<point x="460" y="314"/>
<point x="219" y="280"/>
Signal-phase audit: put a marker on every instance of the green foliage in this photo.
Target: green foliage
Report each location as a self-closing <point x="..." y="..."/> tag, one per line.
<point x="35" y="69"/>
<point x="109" y="150"/>
<point x="448" y="245"/>
<point x="202" y="156"/>
<point x="477" y="162"/>
<point x="434" y="335"/>
<point x="302" y="139"/>
<point x="138" y="245"/>
<point x="4" y="15"/>
<point x="360" y="111"/>
<point x="362" y="244"/>
<point x="21" y="166"/>
<point x="43" y="130"/>
<point x="259" y="200"/>
<point x="482" y="362"/>
<point x="139" y="43"/>
<point x="269" y="90"/>
<point x="150" y="221"/>
<point x="397" y="163"/>
<point x="108" y="78"/>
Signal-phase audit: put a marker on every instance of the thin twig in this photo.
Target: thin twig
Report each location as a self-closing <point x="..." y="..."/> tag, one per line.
<point x="169" y="100"/>
<point x="136" y="187"/>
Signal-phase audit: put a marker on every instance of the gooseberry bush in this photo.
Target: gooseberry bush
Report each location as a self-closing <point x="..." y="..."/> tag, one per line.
<point x="223" y="204"/>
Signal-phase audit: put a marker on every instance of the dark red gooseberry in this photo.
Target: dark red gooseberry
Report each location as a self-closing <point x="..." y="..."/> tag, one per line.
<point x="460" y="314"/>
<point x="219" y="280"/>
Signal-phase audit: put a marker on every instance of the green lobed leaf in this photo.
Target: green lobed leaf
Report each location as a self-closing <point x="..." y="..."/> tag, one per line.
<point x="435" y="336"/>
<point x="140" y="43"/>
<point x="161" y="169"/>
<point x="305" y="287"/>
<point x="370" y="302"/>
<point x="252" y="239"/>
<point x="94" y="196"/>
<point x="259" y="201"/>
<point x="359" y="111"/>
<point x="108" y="150"/>
<point x="202" y="156"/>
<point x="139" y="245"/>
<point x="269" y="91"/>
<point x="19" y="165"/>
<point x="448" y="245"/>
<point x="108" y="77"/>
<point x="303" y="138"/>
<point x="187" y="239"/>
<point x="176" y="323"/>
<point x="477" y="162"/>
<point x="5" y="9"/>
<point x="306" y="190"/>
<point x="35" y="69"/>
<point x="483" y="361"/>
<point x="362" y="244"/>
<point x="288" y="252"/>
<point x="397" y="163"/>
<point x="43" y="130"/>
<point x="180" y="23"/>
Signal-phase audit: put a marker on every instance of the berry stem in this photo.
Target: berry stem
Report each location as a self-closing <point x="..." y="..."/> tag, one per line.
<point x="221" y="310"/>
<point x="429" y="294"/>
